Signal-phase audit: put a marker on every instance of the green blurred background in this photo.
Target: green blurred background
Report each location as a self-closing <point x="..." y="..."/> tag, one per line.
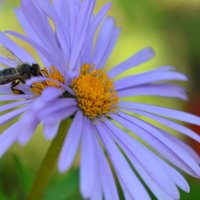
<point x="171" y="27"/>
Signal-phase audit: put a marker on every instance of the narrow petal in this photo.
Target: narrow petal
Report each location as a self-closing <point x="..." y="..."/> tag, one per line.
<point x="50" y="129"/>
<point x="178" y="127"/>
<point x="11" y="115"/>
<point x="17" y="50"/>
<point x="123" y="170"/>
<point x="43" y="29"/>
<point x="185" y="146"/>
<point x="164" y="90"/>
<point x="137" y="59"/>
<point x="6" y="90"/>
<point x="59" y="115"/>
<point x="71" y="144"/>
<point x="166" y="112"/>
<point x="84" y="17"/>
<point x="87" y="54"/>
<point x="109" y="48"/>
<point x="26" y="25"/>
<point x="69" y="15"/>
<point x="148" y="77"/>
<point x="49" y="10"/>
<point x="28" y="129"/>
<point x="37" y="46"/>
<point x="13" y="105"/>
<point x="106" y="176"/>
<point x="58" y="105"/>
<point x="154" y="137"/>
<point x="50" y="94"/>
<point x="15" y="97"/>
<point x="8" y="137"/>
<point x="30" y="32"/>
<point x="177" y="178"/>
<point x="107" y="38"/>
<point x="87" y="170"/>
<point x="58" y="5"/>
<point x="97" y="191"/>
<point x="7" y="62"/>
<point x="126" y="194"/>
<point x="138" y="153"/>
<point x="154" y="187"/>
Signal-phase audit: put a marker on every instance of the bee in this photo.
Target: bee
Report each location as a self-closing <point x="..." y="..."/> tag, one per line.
<point x="20" y="74"/>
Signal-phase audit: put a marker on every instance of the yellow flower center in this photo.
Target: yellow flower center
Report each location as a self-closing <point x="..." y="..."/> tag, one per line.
<point x="95" y="92"/>
<point x="38" y="87"/>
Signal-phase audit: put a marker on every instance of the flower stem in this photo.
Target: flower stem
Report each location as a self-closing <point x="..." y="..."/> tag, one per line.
<point x="48" y="165"/>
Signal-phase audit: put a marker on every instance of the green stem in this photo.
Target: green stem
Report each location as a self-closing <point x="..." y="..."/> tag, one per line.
<point x="48" y="165"/>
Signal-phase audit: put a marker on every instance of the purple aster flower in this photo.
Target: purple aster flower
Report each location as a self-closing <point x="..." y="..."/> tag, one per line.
<point x="78" y="86"/>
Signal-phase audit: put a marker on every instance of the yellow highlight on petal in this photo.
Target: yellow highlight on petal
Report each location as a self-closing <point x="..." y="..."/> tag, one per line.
<point x="54" y="74"/>
<point x="95" y="92"/>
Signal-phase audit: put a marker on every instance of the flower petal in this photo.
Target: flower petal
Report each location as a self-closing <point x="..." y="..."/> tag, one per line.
<point x="49" y="10"/>
<point x="178" y="127"/>
<point x="137" y="59"/>
<point x="87" y="170"/>
<point x="148" y="77"/>
<point x="28" y="128"/>
<point x="13" y="105"/>
<point x="97" y="191"/>
<point x="30" y="32"/>
<point x="166" y="112"/>
<point x="8" y="137"/>
<point x="58" y="105"/>
<point x="106" y="176"/>
<point x="106" y="40"/>
<point x="177" y="178"/>
<point x="11" y="115"/>
<point x="7" y="62"/>
<point x="37" y="46"/>
<point x="81" y="28"/>
<point x="155" y="138"/>
<point x="59" y="115"/>
<point x="17" y="50"/>
<point x="50" y="129"/>
<point x="15" y="97"/>
<point x="71" y="143"/>
<point x="137" y="153"/>
<point x="88" y="49"/>
<point x="164" y="90"/>
<point x="122" y="167"/>
<point x="43" y="29"/>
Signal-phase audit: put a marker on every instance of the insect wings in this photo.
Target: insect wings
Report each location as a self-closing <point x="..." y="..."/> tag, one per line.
<point x="10" y="57"/>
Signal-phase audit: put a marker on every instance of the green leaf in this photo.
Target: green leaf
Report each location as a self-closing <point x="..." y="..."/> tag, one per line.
<point x="25" y="178"/>
<point x="67" y="187"/>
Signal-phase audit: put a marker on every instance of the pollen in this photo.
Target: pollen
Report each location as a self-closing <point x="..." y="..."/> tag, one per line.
<point x="95" y="92"/>
<point x="53" y="73"/>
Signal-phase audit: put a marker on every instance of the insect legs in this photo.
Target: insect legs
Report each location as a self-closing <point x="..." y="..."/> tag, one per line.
<point x="16" y="91"/>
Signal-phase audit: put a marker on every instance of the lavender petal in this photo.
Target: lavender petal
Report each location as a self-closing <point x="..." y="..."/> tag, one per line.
<point x="123" y="170"/>
<point x="137" y="59"/>
<point x="71" y="143"/>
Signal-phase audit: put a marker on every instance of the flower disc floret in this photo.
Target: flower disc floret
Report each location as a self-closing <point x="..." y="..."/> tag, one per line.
<point x="54" y="74"/>
<point x="95" y="92"/>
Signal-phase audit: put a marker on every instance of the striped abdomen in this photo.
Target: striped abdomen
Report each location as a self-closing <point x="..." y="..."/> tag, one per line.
<point x="8" y="75"/>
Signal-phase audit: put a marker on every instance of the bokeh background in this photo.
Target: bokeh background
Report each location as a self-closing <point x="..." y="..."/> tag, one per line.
<point x="172" y="28"/>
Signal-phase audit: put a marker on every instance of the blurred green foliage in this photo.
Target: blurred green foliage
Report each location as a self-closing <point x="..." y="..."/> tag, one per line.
<point x="172" y="27"/>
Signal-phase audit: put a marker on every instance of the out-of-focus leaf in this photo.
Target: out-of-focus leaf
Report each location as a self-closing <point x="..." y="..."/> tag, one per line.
<point x="194" y="191"/>
<point x="25" y="178"/>
<point x="144" y="12"/>
<point x="65" y="188"/>
<point x="4" y="194"/>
